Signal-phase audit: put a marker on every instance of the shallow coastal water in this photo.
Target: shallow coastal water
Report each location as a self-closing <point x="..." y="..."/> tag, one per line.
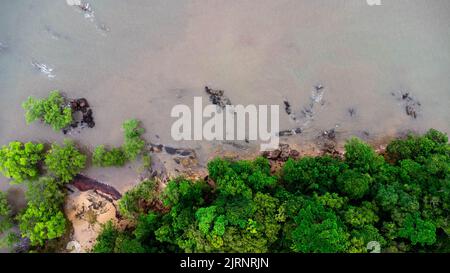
<point x="137" y="59"/>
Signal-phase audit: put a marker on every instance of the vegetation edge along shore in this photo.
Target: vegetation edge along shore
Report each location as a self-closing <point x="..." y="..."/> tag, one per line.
<point x="398" y="199"/>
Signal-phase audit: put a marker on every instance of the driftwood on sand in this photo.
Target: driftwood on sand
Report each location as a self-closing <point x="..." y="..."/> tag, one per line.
<point x="84" y="183"/>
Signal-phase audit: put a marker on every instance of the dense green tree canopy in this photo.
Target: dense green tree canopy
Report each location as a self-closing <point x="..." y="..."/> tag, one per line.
<point x="321" y="204"/>
<point x="139" y="199"/>
<point x="318" y="230"/>
<point x="354" y="184"/>
<point x="43" y="218"/>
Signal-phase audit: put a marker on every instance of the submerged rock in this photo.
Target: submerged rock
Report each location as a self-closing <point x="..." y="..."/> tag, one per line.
<point x="288" y="110"/>
<point x="412" y="105"/>
<point x="85" y="120"/>
<point x="287" y="106"/>
<point x="86" y="7"/>
<point x="330" y="134"/>
<point x="327" y="142"/>
<point x="179" y="151"/>
<point x="217" y="97"/>
<point x="411" y="111"/>
<point x="290" y="132"/>
<point x="351" y="111"/>
<point x="307" y="113"/>
<point x="319" y="87"/>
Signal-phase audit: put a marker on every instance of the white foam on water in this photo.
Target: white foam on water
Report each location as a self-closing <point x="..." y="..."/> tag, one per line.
<point x="43" y="68"/>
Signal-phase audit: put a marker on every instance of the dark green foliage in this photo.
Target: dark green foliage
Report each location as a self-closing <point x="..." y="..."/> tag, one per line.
<point x="142" y="239"/>
<point x="418" y="148"/>
<point x="321" y="204"/>
<point x="361" y="237"/>
<point x="45" y="190"/>
<point x="9" y="240"/>
<point x="241" y="177"/>
<point x="353" y="183"/>
<point x="65" y="161"/>
<point x="106" y="240"/>
<point x="114" y="157"/>
<point x="38" y="223"/>
<point x="361" y="216"/>
<point x="387" y="196"/>
<point x="360" y="156"/>
<point x="139" y="199"/>
<point x="43" y="218"/>
<point x="312" y="173"/>
<point x="227" y="180"/>
<point x="20" y="161"/>
<point x="125" y="244"/>
<point x="51" y="110"/>
<point x="418" y="230"/>
<point x="5" y="213"/>
<point x="319" y="230"/>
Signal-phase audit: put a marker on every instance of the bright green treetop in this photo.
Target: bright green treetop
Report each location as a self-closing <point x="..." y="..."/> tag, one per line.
<point x="20" y="161"/>
<point x="65" y="161"/>
<point x="51" y="110"/>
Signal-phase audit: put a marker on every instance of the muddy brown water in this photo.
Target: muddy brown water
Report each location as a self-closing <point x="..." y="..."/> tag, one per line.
<point x="137" y="59"/>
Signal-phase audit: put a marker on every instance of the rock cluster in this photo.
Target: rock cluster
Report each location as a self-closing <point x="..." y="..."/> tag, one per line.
<point x="171" y="162"/>
<point x="217" y="97"/>
<point x="283" y="153"/>
<point x="412" y="106"/>
<point x="86" y="119"/>
<point x="327" y="141"/>
<point x="290" y="132"/>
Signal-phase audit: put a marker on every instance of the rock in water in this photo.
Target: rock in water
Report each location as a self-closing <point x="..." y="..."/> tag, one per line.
<point x="287" y="107"/>
<point x="351" y="111"/>
<point x="412" y="106"/>
<point x="217" y="97"/>
<point x="290" y="132"/>
<point x="319" y="87"/>
<point x="87" y="118"/>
